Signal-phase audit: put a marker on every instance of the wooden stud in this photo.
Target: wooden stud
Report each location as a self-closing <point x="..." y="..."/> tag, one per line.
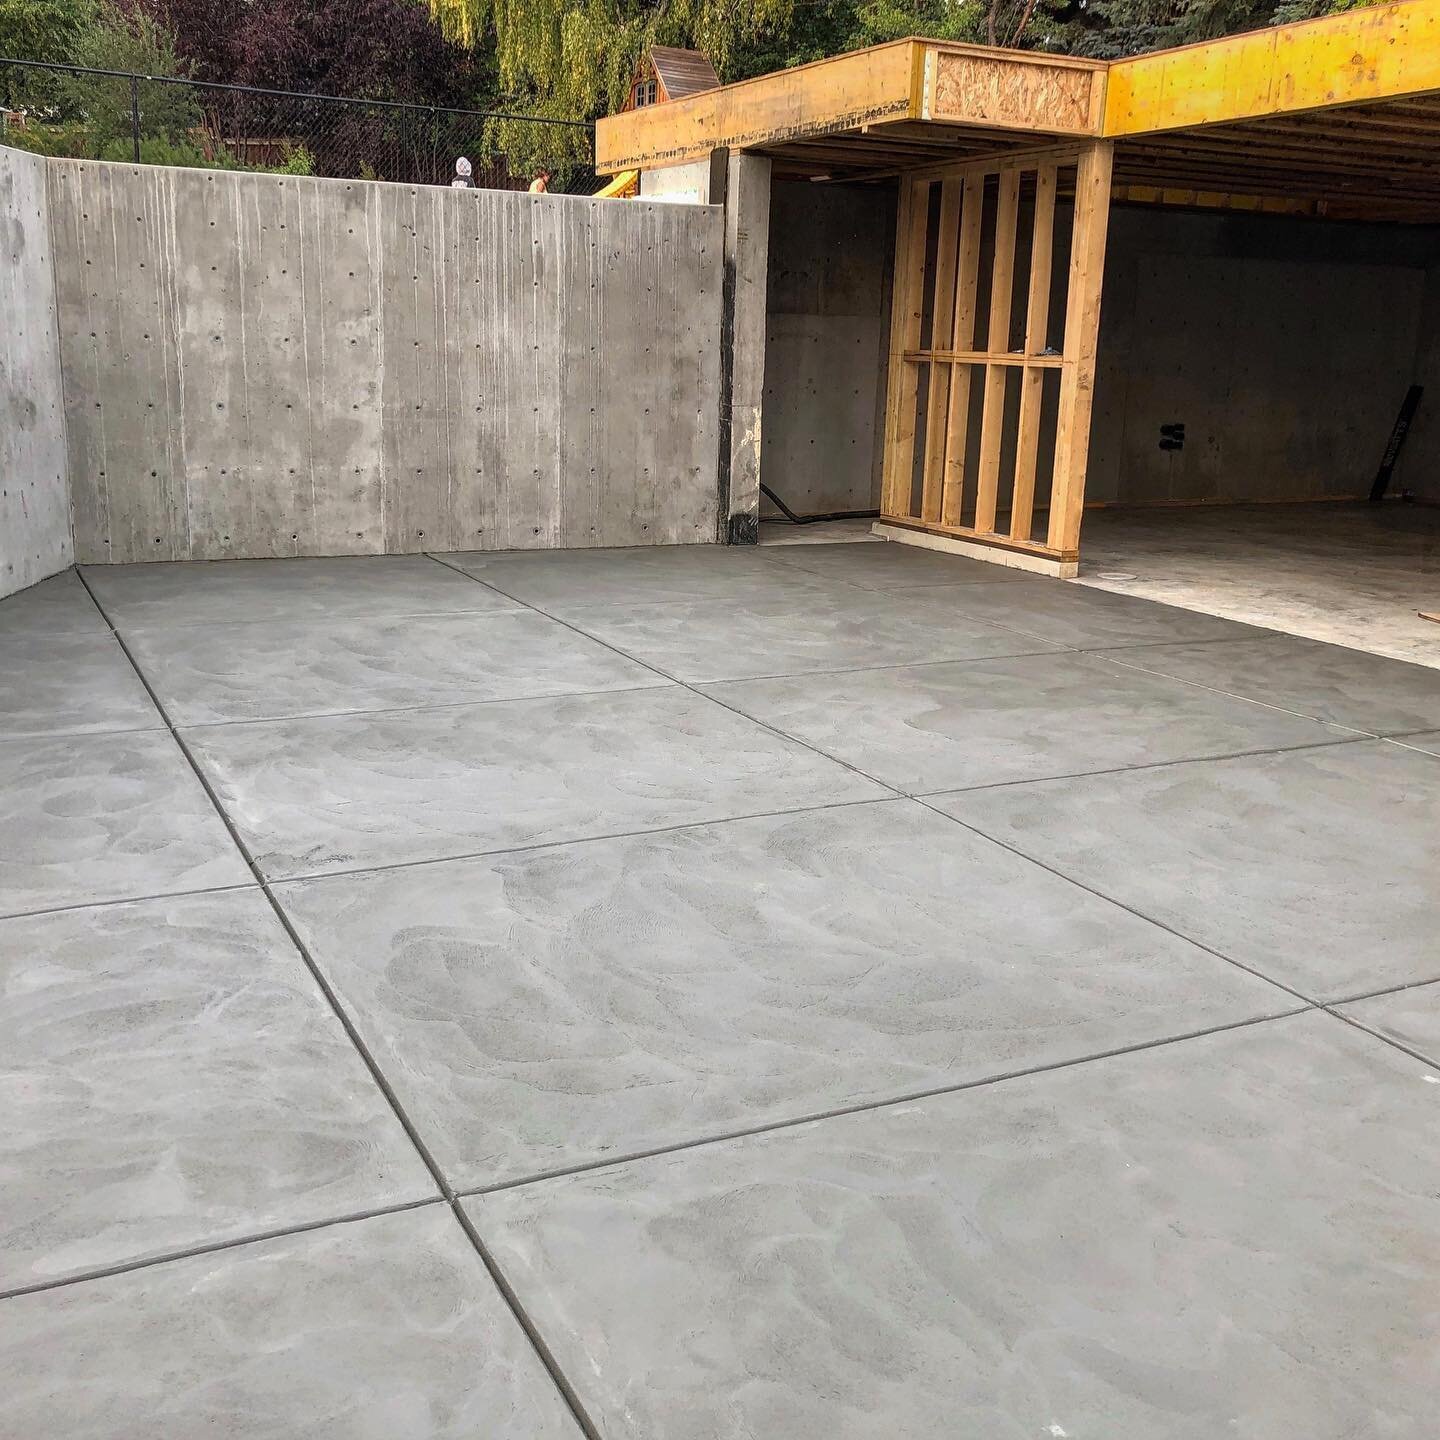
<point x="962" y="338"/>
<point x="941" y="320"/>
<point x="909" y="296"/>
<point x="1032" y="382"/>
<point x="997" y="339"/>
<point x="1082" y="329"/>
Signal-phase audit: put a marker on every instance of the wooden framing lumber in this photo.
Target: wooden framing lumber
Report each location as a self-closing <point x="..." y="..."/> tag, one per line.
<point x="906" y="317"/>
<point x="997" y="340"/>
<point x="962" y="337"/>
<point x="942" y="313"/>
<point x="1382" y="52"/>
<point x="1032" y="382"/>
<point x="1082" y="332"/>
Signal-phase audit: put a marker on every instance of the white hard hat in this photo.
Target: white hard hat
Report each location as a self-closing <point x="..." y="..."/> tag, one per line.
<point x="462" y="166"/>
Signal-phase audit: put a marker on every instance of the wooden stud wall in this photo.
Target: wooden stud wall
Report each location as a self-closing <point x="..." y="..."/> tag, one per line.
<point x="955" y="254"/>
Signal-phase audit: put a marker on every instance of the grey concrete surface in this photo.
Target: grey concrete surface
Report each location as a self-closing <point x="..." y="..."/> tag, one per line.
<point x="1327" y="682"/>
<point x="545" y="1016"/>
<point x="563" y="582"/>
<point x="1185" y="1242"/>
<point x="35" y="538"/>
<point x="895" y="568"/>
<point x="835" y="630"/>
<point x="57" y="606"/>
<point x="989" y="722"/>
<point x="1031" y="1148"/>
<point x="294" y="366"/>
<point x="1410" y="1017"/>
<point x="388" y="1327"/>
<point x="747" y="244"/>
<point x="69" y="685"/>
<point x="175" y="1078"/>
<point x="1429" y="743"/>
<point x="310" y="796"/>
<point x="217" y="673"/>
<point x="238" y="591"/>
<point x="1355" y="575"/>
<point x="1074" y="615"/>
<point x="85" y="818"/>
<point x="1315" y="867"/>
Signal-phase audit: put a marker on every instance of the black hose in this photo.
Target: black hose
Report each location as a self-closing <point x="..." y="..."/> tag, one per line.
<point x="795" y="519"/>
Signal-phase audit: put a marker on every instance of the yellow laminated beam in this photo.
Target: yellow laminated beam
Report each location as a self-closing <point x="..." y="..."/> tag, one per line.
<point x="1385" y="52"/>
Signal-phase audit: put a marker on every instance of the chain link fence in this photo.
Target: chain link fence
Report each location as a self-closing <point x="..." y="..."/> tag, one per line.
<point x="80" y="113"/>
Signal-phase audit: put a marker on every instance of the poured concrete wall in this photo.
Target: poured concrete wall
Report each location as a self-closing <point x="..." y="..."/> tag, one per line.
<point x="831" y="250"/>
<point x="1283" y="346"/>
<point x="34" y="495"/>
<point x="1419" y="468"/>
<point x="262" y="365"/>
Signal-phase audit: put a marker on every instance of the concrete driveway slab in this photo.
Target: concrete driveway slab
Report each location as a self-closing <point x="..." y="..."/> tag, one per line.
<point x="746" y="637"/>
<point x="1318" y="867"/>
<point x="563" y="581"/>
<point x="388" y="1327"/>
<point x="57" y="606"/>
<point x="1183" y="1242"/>
<point x="986" y="722"/>
<point x="892" y="566"/>
<point x="353" y="791"/>
<point x="1076" y="616"/>
<point x="253" y="672"/>
<point x="562" y="1006"/>
<point x="1410" y="1017"/>
<point x="220" y="592"/>
<point x="1430" y="744"/>
<point x="1326" y="682"/>
<point x="174" y="1077"/>
<point x="86" y="818"/>
<point x="69" y="685"/>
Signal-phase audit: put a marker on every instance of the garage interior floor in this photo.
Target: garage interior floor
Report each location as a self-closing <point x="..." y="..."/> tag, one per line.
<point x="816" y="991"/>
<point x="1350" y="573"/>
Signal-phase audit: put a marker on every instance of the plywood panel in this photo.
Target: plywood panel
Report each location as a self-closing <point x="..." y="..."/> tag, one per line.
<point x="990" y="89"/>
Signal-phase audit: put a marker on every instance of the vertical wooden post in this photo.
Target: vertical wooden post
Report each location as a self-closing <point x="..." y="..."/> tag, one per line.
<point x="962" y="338"/>
<point x="941" y="320"/>
<point x="997" y="341"/>
<point x="908" y="300"/>
<point x="1082" y="330"/>
<point x="1037" y="321"/>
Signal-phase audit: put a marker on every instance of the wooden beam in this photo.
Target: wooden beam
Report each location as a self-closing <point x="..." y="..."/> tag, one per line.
<point x="911" y="225"/>
<point x="962" y="337"/>
<point x="840" y="93"/>
<point x="1032" y="382"/>
<point x="997" y="339"/>
<point x="942" y="319"/>
<point x="1082" y="329"/>
<point x="1359" y="56"/>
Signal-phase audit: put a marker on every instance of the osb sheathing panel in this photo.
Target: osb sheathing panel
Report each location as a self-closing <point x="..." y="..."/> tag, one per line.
<point x="990" y="90"/>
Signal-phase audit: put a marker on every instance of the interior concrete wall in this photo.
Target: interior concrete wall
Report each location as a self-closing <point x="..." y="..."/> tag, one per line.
<point x="826" y="344"/>
<point x="267" y="365"/>
<point x="35" y="538"/>
<point x="1418" y="470"/>
<point x="1284" y="346"/>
